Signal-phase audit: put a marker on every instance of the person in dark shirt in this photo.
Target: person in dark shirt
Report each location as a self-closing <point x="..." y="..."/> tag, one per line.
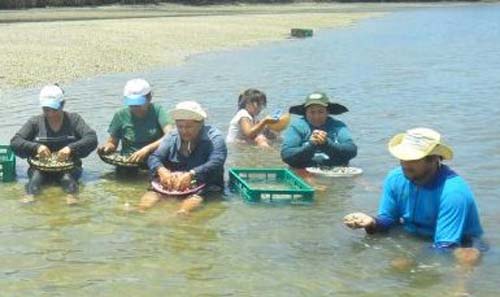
<point x="54" y="132"/>
<point x="194" y="151"/>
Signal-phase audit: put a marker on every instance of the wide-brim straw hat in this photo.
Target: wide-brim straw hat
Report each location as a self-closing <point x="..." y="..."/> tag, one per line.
<point x="188" y="110"/>
<point x="318" y="98"/>
<point x="419" y="143"/>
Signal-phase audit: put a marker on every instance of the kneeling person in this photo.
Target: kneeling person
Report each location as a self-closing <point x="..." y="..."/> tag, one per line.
<point x="139" y="126"/>
<point x="194" y="151"/>
<point x="54" y="132"/>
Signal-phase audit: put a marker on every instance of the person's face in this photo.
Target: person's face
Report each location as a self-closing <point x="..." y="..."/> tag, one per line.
<point x="254" y="108"/>
<point x="316" y="115"/>
<point x="188" y="129"/>
<point x="51" y="113"/>
<point x="139" y="111"/>
<point x="419" y="171"/>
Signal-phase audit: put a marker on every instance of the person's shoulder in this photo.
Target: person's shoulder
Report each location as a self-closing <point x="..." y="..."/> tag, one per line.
<point x="395" y="175"/>
<point x="242" y="113"/>
<point x="73" y="116"/>
<point x="157" y="107"/>
<point x="299" y="122"/>
<point x="122" y="111"/>
<point x="335" y="123"/>
<point x="454" y="184"/>
<point x="211" y="131"/>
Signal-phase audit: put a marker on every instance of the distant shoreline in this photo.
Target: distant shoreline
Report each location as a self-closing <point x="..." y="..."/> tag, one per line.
<point x="39" y="46"/>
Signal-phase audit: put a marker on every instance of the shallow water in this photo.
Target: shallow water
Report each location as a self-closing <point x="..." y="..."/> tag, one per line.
<point x="436" y="67"/>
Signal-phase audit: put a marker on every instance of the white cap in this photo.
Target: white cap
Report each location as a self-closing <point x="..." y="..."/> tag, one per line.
<point x="135" y="91"/>
<point x="188" y="110"/>
<point x="51" y="96"/>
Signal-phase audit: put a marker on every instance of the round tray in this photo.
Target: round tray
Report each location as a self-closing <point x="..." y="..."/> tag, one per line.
<point x="335" y="171"/>
<point x="195" y="188"/>
<point x="118" y="160"/>
<point x="51" y="164"/>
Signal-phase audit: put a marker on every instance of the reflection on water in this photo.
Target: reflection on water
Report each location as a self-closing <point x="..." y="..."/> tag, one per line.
<point x="436" y="67"/>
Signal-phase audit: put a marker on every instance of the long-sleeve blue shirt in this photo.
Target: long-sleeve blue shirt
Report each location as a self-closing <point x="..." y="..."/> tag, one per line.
<point x="298" y="152"/>
<point x="444" y="208"/>
<point x="207" y="159"/>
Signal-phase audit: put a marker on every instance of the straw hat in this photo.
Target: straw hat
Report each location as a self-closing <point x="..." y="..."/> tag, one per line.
<point x="188" y="110"/>
<point x="418" y="143"/>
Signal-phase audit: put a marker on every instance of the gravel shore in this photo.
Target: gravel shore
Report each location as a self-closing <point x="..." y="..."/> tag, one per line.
<point x="61" y="45"/>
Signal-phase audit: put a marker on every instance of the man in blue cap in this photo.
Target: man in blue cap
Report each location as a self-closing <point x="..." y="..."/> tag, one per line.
<point x="58" y="132"/>
<point x="139" y="126"/>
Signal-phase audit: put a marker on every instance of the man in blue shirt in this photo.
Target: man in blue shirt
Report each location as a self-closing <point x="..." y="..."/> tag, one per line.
<point x="194" y="151"/>
<point x="426" y="197"/>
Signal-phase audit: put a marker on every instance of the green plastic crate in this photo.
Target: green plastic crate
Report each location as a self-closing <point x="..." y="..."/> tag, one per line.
<point x="301" y="33"/>
<point x="269" y="184"/>
<point x="7" y="164"/>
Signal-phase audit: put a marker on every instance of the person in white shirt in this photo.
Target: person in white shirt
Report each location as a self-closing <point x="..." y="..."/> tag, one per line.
<point x="245" y="127"/>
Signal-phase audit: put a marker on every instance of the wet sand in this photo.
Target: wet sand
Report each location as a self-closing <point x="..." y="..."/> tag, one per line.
<point x="61" y="45"/>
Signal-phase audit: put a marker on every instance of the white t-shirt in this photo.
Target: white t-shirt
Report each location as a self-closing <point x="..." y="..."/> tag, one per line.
<point x="234" y="132"/>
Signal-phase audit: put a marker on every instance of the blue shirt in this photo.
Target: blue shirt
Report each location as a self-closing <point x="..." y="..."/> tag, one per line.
<point x="444" y="208"/>
<point x="298" y="152"/>
<point x="207" y="159"/>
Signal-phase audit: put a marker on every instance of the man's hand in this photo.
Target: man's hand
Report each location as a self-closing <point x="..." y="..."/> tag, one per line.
<point x="63" y="154"/>
<point x="183" y="181"/>
<point x="318" y="137"/>
<point x="359" y="220"/>
<point x="43" y="152"/>
<point x="167" y="179"/>
<point x="139" y="155"/>
<point x="107" y="148"/>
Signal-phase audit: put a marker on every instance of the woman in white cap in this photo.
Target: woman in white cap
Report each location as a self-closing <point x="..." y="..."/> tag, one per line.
<point x="58" y="132"/>
<point x="316" y="138"/>
<point x="139" y="126"/>
<point x="194" y="151"/>
<point x="426" y="198"/>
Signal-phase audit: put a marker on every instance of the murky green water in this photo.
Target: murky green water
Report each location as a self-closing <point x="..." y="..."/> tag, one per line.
<point x="436" y="67"/>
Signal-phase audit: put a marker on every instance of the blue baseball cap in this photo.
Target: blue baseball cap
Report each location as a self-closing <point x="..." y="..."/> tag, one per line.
<point x="51" y="96"/>
<point x="135" y="92"/>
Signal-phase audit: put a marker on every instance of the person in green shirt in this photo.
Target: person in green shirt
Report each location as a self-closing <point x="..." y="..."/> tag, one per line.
<point x="139" y="126"/>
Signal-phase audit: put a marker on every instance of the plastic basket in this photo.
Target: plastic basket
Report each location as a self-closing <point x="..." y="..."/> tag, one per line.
<point x="7" y="164"/>
<point x="269" y="184"/>
<point x="301" y="33"/>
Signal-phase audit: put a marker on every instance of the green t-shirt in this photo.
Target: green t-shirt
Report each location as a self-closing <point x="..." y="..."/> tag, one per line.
<point x="135" y="133"/>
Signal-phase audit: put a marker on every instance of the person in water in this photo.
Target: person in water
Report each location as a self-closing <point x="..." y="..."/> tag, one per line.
<point x="58" y="132"/>
<point x="194" y="151"/>
<point x="139" y="126"/>
<point x="245" y="127"/>
<point x="316" y="138"/>
<point x="426" y="197"/>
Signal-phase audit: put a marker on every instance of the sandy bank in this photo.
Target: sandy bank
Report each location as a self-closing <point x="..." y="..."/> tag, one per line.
<point x="35" y="53"/>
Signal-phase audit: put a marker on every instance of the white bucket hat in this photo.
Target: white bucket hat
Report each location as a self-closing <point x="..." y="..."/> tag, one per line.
<point x="51" y="96"/>
<point x="418" y="143"/>
<point x="188" y="110"/>
<point x="135" y="91"/>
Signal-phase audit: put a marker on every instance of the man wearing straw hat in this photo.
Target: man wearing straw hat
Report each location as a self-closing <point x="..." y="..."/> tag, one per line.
<point x="193" y="152"/>
<point x="426" y="197"/>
